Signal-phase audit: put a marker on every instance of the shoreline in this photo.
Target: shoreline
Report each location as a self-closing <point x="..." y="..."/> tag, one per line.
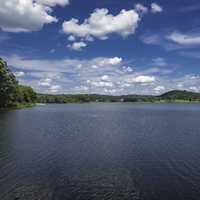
<point x="134" y="102"/>
<point x="19" y="106"/>
<point x="24" y="106"/>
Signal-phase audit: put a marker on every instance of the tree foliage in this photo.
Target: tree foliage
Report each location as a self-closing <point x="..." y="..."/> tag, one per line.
<point x="8" y="85"/>
<point x="11" y="93"/>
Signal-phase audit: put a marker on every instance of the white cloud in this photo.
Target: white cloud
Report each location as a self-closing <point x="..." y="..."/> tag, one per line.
<point x="63" y="65"/>
<point x="94" y="66"/>
<point x="71" y="38"/>
<point x="80" y="76"/>
<point x="127" y="69"/>
<point x="194" y="88"/>
<point x="81" y="89"/>
<point x="109" y="61"/>
<point x="143" y="79"/>
<point x="100" y="83"/>
<point x="54" y="88"/>
<point x="171" y="42"/>
<point x="184" y="39"/>
<point x="110" y="91"/>
<point x="115" y="61"/>
<point x="45" y="82"/>
<point x="159" y="88"/>
<point x="124" y="85"/>
<point x="155" y="8"/>
<point x="77" y="46"/>
<point x="105" y="78"/>
<point x="19" y="74"/>
<point x="53" y="2"/>
<point x="141" y="8"/>
<point x="91" y="39"/>
<point x="151" y="39"/>
<point x="27" y="15"/>
<point x="100" y="24"/>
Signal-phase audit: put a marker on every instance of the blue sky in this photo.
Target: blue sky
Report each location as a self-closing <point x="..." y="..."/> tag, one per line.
<point x="107" y="47"/>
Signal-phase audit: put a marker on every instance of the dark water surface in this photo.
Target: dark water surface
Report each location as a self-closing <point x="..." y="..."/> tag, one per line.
<point x="101" y="152"/>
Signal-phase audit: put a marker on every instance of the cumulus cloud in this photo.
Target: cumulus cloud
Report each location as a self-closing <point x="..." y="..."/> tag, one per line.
<point x="127" y="69"/>
<point x="77" y="46"/>
<point x="27" y="15"/>
<point x="184" y="39"/>
<point x="143" y="79"/>
<point x="155" y="8"/>
<point x="109" y="61"/>
<point x="100" y="24"/>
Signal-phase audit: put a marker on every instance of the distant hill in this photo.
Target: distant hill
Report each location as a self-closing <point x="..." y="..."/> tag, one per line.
<point x="181" y="95"/>
<point x="172" y="96"/>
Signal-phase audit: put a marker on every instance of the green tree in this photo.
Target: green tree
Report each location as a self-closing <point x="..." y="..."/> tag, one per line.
<point x="11" y="93"/>
<point x="8" y="85"/>
<point x="25" y="94"/>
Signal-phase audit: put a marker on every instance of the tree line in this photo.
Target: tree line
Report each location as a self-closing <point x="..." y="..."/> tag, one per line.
<point x="169" y="97"/>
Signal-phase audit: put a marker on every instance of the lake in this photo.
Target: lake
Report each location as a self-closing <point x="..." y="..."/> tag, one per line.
<point x="101" y="151"/>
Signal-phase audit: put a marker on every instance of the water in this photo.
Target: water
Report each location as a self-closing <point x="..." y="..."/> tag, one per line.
<point x="101" y="151"/>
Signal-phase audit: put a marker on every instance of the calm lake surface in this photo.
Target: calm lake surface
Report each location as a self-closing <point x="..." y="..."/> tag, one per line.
<point x="101" y="151"/>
